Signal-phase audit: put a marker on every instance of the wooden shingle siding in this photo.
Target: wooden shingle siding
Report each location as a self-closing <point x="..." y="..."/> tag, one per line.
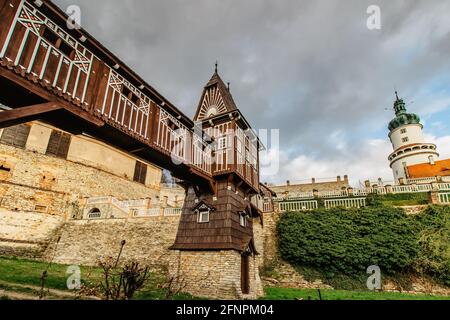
<point x="16" y="136"/>
<point x="58" y="144"/>
<point x="140" y="172"/>
<point x="223" y="231"/>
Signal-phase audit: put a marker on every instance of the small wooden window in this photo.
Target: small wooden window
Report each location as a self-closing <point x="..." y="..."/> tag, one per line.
<point x="222" y="143"/>
<point x="203" y="216"/>
<point x="130" y="95"/>
<point x="172" y="125"/>
<point x="125" y="91"/>
<point x="58" y="144"/>
<point x="16" y="136"/>
<point x="243" y="220"/>
<point x="140" y="172"/>
<point x="57" y="42"/>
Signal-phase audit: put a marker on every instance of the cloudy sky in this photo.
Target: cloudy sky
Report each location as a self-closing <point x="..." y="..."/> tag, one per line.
<point x="310" y="68"/>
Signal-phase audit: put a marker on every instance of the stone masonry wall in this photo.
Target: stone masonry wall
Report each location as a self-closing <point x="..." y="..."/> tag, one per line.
<point x="217" y="276"/>
<point x="30" y="179"/>
<point x="27" y="234"/>
<point x="85" y="242"/>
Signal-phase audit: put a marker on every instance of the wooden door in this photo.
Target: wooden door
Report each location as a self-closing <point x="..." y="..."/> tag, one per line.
<point x="245" y="274"/>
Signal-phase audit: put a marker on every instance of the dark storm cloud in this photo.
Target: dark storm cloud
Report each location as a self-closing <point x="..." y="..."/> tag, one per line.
<point x="310" y="68"/>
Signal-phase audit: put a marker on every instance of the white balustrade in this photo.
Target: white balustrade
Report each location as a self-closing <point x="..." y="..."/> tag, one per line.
<point x="333" y="193"/>
<point x="298" y="205"/>
<point x="444" y="198"/>
<point x="346" y="203"/>
<point x="172" y="212"/>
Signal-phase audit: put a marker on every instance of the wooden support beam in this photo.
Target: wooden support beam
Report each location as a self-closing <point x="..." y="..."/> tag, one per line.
<point x="25" y="114"/>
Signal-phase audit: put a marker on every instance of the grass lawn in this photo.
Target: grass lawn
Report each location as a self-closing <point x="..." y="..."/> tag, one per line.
<point x="29" y="272"/>
<point x="306" y="294"/>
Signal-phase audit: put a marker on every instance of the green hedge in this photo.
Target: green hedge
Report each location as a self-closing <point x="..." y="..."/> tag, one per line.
<point x="347" y="241"/>
<point x="434" y="241"/>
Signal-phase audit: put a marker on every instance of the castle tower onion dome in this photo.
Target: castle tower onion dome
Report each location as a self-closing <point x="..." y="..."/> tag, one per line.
<point x="402" y="117"/>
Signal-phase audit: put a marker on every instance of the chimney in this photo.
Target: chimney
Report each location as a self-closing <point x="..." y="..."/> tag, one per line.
<point x="313" y="180"/>
<point x="346" y="179"/>
<point x="338" y="178"/>
<point x="288" y="183"/>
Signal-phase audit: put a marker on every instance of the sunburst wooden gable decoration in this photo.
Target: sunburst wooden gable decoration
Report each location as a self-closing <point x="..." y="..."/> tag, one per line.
<point x="212" y="104"/>
<point x="216" y="99"/>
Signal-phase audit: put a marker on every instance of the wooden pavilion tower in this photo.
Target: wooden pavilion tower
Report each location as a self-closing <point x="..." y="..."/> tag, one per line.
<point x="222" y="220"/>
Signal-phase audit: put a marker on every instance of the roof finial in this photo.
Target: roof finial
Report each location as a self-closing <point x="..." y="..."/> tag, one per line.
<point x="396" y="95"/>
<point x="228" y="84"/>
<point x="217" y="65"/>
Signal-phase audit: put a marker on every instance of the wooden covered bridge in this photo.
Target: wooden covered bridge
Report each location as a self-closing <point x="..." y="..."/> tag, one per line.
<point x="63" y="76"/>
<point x="68" y="79"/>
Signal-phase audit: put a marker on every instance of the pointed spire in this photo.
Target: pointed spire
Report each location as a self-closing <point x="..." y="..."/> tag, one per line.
<point x="228" y="86"/>
<point x="399" y="105"/>
<point x="217" y="67"/>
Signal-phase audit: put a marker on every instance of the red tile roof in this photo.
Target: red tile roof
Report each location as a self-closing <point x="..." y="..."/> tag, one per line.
<point x="426" y="170"/>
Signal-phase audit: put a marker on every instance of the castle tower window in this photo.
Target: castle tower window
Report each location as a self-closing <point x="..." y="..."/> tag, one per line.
<point x="140" y="172"/>
<point x="16" y="136"/>
<point x="403" y="131"/>
<point x="58" y="144"/>
<point x="406" y="139"/>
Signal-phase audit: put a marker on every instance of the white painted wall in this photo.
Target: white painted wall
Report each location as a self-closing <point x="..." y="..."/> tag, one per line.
<point x="413" y="133"/>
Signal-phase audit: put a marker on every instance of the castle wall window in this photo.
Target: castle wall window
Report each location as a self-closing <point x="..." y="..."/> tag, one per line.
<point x="140" y="172"/>
<point x="406" y="139"/>
<point x="16" y="136"/>
<point x="94" y="214"/>
<point x="58" y="144"/>
<point x="403" y="131"/>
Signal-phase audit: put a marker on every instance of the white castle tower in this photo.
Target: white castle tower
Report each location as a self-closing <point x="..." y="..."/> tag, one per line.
<point x="407" y="140"/>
